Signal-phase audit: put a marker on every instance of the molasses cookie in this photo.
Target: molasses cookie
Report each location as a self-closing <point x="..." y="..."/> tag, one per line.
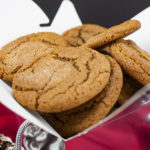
<point x="25" y="50"/>
<point x="64" y="78"/>
<point x="133" y="60"/>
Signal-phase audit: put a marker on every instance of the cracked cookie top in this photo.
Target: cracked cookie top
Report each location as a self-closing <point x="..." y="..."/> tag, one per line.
<point x="24" y="50"/>
<point x="73" y="121"/>
<point x="79" y="35"/>
<point x="134" y="60"/>
<point x="64" y="78"/>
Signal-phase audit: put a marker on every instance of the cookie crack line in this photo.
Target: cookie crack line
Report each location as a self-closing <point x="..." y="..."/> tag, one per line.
<point x="18" y="88"/>
<point x="88" y="67"/>
<point x="48" y="42"/>
<point x="80" y="35"/>
<point x="69" y="87"/>
<point x="43" y="91"/>
<point x="88" y="72"/>
<point x="31" y="65"/>
<point x="44" y="87"/>
<point x="67" y="59"/>
<point x="16" y="69"/>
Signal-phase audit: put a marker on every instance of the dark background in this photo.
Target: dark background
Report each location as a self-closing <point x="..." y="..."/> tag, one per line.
<point x="102" y="12"/>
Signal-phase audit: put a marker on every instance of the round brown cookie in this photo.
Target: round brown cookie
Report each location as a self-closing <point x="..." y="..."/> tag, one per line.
<point x="113" y="33"/>
<point x="130" y="87"/>
<point x="24" y="50"/>
<point x="134" y="60"/>
<point x="78" y="119"/>
<point x="63" y="79"/>
<point x="79" y="35"/>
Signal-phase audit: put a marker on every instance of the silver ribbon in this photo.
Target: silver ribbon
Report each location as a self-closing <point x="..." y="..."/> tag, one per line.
<point x="36" y="138"/>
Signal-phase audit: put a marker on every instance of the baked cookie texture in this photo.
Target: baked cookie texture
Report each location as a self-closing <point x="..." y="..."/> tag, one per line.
<point x="113" y="33"/>
<point x="130" y="87"/>
<point x="64" y="78"/>
<point x="134" y="60"/>
<point x="79" y="35"/>
<point x="78" y="119"/>
<point x="25" y="50"/>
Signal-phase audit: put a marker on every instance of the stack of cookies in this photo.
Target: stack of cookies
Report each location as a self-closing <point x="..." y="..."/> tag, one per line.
<point x="75" y="79"/>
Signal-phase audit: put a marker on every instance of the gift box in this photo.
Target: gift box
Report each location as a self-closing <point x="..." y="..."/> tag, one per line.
<point x="65" y="18"/>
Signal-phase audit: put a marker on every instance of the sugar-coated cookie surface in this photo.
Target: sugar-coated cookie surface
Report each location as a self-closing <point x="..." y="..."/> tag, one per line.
<point x="134" y="60"/>
<point x="64" y="78"/>
<point x="21" y="52"/>
<point x="78" y="119"/>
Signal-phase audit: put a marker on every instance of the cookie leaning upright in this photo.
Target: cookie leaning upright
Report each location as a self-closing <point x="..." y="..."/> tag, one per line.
<point x="64" y="78"/>
<point x="134" y="60"/>
<point x="113" y="33"/>
<point x="78" y="119"/>
<point x="21" y="52"/>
